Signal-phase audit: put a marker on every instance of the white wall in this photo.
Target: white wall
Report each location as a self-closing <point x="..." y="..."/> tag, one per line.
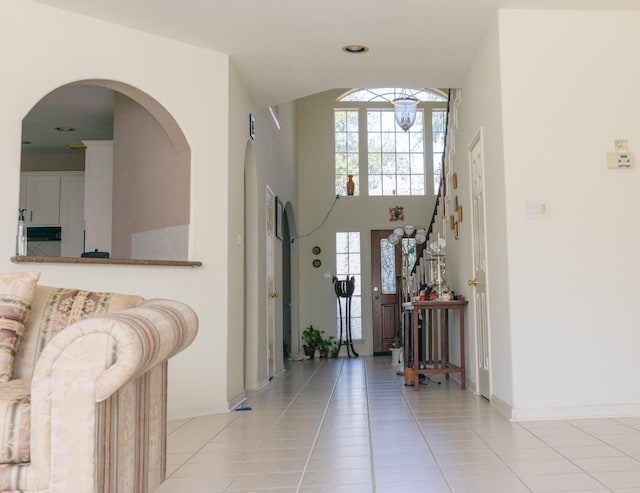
<point x="192" y="84"/>
<point x="316" y="185"/>
<point x="269" y="160"/>
<point x="569" y="88"/>
<point x="480" y="111"/>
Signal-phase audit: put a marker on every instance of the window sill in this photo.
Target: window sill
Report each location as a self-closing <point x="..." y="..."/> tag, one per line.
<point x="107" y="261"/>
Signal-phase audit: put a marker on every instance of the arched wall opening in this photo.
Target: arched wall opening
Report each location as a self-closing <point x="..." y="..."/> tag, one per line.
<point x="144" y="198"/>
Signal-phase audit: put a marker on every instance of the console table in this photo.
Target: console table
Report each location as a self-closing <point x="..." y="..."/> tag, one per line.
<point x="435" y="327"/>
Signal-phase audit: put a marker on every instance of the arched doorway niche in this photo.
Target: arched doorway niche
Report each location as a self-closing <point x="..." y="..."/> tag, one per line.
<point x="144" y="199"/>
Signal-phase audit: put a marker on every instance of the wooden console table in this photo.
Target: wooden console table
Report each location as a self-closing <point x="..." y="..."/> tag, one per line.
<point x="435" y="316"/>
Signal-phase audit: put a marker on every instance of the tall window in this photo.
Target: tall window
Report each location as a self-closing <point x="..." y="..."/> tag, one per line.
<point x="347" y="157"/>
<point x="438" y="131"/>
<point x="398" y="163"/>
<point x="347" y="266"/>
<point x="396" y="157"/>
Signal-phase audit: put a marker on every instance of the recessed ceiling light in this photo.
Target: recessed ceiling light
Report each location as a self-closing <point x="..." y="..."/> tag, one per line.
<point x="355" y="49"/>
<point x="65" y="129"/>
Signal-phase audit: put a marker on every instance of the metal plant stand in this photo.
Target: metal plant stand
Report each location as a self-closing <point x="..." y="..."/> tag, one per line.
<point x="344" y="289"/>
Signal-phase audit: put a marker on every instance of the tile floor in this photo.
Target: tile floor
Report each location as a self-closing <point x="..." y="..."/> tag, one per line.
<point x="351" y="426"/>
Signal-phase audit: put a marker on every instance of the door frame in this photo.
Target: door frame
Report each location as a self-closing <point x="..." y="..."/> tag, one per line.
<point x="480" y="312"/>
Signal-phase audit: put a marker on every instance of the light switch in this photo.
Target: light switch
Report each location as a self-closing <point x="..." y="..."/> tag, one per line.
<point x="536" y="209"/>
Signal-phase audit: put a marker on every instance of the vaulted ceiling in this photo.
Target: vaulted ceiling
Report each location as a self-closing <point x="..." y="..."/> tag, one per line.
<point x="287" y="49"/>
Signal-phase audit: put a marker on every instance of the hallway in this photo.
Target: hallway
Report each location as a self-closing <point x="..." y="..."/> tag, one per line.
<point x="351" y="426"/>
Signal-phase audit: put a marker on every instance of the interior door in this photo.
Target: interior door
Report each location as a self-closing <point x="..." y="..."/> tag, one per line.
<point x="272" y="294"/>
<point x="385" y="267"/>
<point x="480" y="269"/>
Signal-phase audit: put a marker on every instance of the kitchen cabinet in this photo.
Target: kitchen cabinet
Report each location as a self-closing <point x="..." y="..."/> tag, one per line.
<point x="40" y="196"/>
<point x="56" y="199"/>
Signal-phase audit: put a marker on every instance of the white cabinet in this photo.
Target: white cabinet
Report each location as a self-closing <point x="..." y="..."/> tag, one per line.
<point x="56" y="199"/>
<point x="41" y="199"/>
<point x="72" y="215"/>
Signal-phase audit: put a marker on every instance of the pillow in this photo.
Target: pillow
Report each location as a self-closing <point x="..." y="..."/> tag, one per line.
<point x="16" y="292"/>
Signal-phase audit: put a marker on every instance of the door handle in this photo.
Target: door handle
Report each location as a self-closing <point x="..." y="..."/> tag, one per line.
<point x="274" y="295"/>
<point x="375" y="289"/>
<point x="472" y="282"/>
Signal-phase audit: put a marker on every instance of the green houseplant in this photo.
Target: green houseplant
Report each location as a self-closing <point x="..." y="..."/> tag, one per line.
<point x="314" y="339"/>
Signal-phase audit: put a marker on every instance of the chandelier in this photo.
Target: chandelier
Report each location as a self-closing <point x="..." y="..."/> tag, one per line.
<point x="404" y="109"/>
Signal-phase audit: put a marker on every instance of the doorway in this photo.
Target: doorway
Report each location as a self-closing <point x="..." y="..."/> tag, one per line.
<point x="480" y="268"/>
<point x="286" y="286"/>
<point x="386" y="261"/>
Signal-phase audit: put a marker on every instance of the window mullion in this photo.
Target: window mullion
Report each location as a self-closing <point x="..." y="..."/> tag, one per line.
<point x="428" y="150"/>
<point x="363" y="154"/>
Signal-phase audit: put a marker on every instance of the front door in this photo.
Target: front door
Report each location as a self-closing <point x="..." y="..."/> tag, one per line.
<point x="480" y="269"/>
<point x="385" y="269"/>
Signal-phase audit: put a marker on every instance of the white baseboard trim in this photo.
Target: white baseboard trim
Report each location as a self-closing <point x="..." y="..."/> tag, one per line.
<point x="563" y="412"/>
<point x="501" y="406"/>
<point x="574" y="412"/>
<point x="194" y="412"/>
<point x="259" y="386"/>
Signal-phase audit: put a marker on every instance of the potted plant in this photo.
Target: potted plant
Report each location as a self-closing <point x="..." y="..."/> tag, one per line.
<point x="312" y="339"/>
<point x="327" y="347"/>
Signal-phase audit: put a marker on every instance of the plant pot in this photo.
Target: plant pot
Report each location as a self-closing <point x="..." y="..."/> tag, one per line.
<point x="309" y="351"/>
<point x="323" y="353"/>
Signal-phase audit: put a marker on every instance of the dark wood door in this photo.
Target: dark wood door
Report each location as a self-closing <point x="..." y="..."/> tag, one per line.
<point x="385" y="297"/>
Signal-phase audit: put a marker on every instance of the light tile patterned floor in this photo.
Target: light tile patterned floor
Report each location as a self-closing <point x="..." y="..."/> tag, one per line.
<point x="351" y="426"/>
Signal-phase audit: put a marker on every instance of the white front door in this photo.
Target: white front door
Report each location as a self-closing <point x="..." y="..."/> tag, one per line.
<point x="271" y="283"/>
<point x="480" y="269"/>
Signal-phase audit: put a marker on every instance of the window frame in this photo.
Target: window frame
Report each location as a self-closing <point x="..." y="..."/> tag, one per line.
<point x="363" y="176"/>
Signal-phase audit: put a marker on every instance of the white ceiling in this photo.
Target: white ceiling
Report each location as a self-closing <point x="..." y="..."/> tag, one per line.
<point x="287" y="49"/>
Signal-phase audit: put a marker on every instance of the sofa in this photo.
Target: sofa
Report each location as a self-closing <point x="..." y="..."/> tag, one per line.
<point x="83" y="387"/>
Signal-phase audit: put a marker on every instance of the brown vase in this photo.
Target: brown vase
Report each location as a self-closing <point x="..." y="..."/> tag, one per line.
<point x="351" y="186"/>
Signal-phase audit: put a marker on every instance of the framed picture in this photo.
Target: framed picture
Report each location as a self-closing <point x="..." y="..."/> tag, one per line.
<point x="278" y="218"/>
<point x="252" y="126"/>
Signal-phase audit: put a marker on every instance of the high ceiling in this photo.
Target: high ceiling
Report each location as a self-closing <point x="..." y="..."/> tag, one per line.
<point x="286" y="49"/>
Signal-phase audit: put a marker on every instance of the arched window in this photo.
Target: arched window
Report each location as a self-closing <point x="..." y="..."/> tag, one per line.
<point x="397" y="162"/>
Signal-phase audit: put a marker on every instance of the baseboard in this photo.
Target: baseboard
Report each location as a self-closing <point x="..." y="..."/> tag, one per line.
<point x="563" y="412"/>
<point x="501" y="406"/>
<point x="574" y="412"/>
<point x="194" y="412"/>
<point x="260" y="385"/>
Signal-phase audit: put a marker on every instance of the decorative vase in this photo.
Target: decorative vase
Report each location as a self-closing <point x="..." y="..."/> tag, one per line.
<point x="351" y="186"/>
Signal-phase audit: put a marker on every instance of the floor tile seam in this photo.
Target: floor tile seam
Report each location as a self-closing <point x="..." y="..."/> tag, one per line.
<point x="319" y="428"/>
<point x="180" y="427"/>
<point x="370" y="429"/>
<point x="572" y="460"/>
<point x="551" y="447"/>
<point x="437" y="459"/>
<point x="276" y="421"/>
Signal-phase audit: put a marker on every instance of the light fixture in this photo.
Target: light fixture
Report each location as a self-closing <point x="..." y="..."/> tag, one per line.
<point x="404" y="109"/>
<point x="355" y="49"/>
<point x="405" y="249"/>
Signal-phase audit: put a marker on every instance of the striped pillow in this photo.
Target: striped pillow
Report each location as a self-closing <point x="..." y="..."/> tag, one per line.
<point x="16" y="292"/>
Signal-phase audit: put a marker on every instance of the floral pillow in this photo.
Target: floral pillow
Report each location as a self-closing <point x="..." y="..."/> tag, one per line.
<point x="16" y="292"/>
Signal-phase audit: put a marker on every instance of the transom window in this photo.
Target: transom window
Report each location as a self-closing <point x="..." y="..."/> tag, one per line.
<point x="397" y="162"/>
<point x="388" y="94"/>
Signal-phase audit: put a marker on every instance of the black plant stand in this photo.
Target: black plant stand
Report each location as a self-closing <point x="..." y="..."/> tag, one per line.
<point x="344" y="289"/>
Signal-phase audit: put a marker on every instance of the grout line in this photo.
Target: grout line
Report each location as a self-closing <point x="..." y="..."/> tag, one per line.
<point x="322" y="420"/>
<point x="371" y="455"/>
